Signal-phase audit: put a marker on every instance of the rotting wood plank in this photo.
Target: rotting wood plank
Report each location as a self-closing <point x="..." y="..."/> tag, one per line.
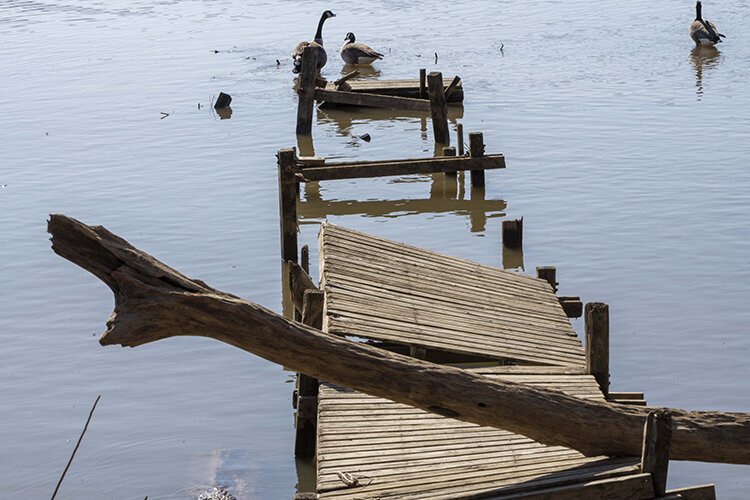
<point x="356" y="170"/>
<point x="399" y="88"/>
<point x="632" y="487"/>
<point x="371" y="100"/>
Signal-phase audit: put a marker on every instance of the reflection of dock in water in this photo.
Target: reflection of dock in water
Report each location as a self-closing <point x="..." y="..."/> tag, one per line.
<point x="344" y="118"/>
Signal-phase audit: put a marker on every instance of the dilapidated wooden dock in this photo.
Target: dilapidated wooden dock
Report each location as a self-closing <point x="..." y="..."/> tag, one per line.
<point x="446" y="309"/>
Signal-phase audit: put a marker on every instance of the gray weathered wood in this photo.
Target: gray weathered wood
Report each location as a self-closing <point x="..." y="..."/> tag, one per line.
<point x="154" y="302"/>
<point x="306" y="91"/>
<point x="396" y="88"/>
<point x="657" y="437"/>
<point x="355" y="170"/>
<point x="299" y="282"/>
<point x="371" y="100"/>
<point x="596" y="324"/>
<point x="304" y="259"/>
<point x="438" y="108"/>
<point x="287" y="204"/>
<point x="618" y="488"/>
<point x="476" y="150"/>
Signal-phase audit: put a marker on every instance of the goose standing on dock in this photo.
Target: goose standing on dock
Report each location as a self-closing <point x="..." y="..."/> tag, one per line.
<point x="704" y="32"/>
<point x="357" y="53"/>
<point x="317" y="42"/>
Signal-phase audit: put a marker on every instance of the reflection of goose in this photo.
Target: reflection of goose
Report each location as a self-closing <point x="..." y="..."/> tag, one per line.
<point x="317" y="42"/>
<point x="364" y="71"/>
<point x="703" y="57"/>
<point x="704" y="32"/>
<point x="358" y="53"/>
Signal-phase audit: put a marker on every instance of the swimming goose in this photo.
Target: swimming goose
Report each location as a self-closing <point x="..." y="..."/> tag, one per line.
<point x="704" y="32"/>
<point x="317" y="42"/>
<point x="357" y="53"/>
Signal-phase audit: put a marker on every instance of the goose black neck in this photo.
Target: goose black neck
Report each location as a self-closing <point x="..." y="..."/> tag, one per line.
<point x="319" y="33"/>
<point x="698" y="8"/>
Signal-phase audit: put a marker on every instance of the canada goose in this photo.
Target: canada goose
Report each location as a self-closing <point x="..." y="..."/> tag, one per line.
<point x="317" y="42"/>
<point x="704" y="32"/>
<point x="357" y="53"/>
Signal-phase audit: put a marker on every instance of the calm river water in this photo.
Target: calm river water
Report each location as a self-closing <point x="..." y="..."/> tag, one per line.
<point x="627" y="157"/>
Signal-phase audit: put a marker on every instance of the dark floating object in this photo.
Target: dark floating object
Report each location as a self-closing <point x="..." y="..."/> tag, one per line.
<point x="436" y="58"/>
<point x="224" y="113"/>
<point x="365" y="137"/>
<point x="163" y="115"/>
<point x="223" y="101"/>
<point x="278" y="63"/>
<point x="513" y="233"/>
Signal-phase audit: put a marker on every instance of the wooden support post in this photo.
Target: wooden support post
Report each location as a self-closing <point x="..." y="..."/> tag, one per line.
<point x="307" y="387"/>
<point x="657" y="438"/>
<point x="305" y="259"/>
<point x="450" y="151"/>
<point x="476" y="149"/>
<point x="513" y="233"/>
<point x="306" y="91"/>
<point x="596" y="321"/>
<point x="460" y="137"/>
<point x="288" y="203"/>
<point x="438" y="108"/>
<point x="423" y="83"/>
<point x="548" y="274"/>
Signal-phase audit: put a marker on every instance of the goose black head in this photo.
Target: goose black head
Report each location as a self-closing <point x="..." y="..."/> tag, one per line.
<point x="350" y="37"/>
<point x="328" y="14"/>
<point x="698" y="8"/>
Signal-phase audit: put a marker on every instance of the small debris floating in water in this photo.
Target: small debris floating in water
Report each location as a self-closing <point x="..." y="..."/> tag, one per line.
<point x="365" y="137"/>
<point x="223" y="101"/>
<point x="163" y="115"/>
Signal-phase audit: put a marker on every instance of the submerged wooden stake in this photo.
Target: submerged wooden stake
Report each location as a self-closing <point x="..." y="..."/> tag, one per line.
<point x="154" y="302"/>
<point x="513" y="233"/>
<point x="450" y="151"/>
<point x="548" y="274"/>
<point x="438" y="108"/>
<point x="460" y="137"/>
<point x="423" y="83"/>
<point x="307" y="387"/>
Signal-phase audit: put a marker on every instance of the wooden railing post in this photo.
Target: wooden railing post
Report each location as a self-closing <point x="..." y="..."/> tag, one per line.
<point x="476" y="150"/>
<point x="306" y="90"/>
<point x="287" y="159"/>
<point x="596" y="324"/>
<point x="307" y="387"/>
<point x="438" y="108"/>
<point x="657" y="437"/>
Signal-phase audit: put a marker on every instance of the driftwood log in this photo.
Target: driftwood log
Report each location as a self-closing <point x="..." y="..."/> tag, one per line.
<point x="154" y="302"/>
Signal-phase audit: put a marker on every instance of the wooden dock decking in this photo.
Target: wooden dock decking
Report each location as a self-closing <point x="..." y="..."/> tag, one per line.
<point x="398" y="88"/>
<point x="382" y="290"/>
<point x="371" y="447"/>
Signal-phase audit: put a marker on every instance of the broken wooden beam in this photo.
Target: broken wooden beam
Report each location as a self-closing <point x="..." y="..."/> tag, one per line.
<point x="299" y="282"/>
<point x="345" y="78"/>
<point x="373" y="208"/>
<point x="438" y="108"/>
<point x="398" y="88"/>
<point x="354" y="170"/>
<point x="154" y="302"/>
<point x="572" y="306"/>
<point x="371" y="100"/>
<point x="451" y="88"/>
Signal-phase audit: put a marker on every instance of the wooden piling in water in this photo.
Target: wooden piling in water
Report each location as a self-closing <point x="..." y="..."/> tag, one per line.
<point x="304" y="260"/>
<point x="596" y="325"/>
<point x="307" y="387"/>
<point x="438" y="108"/>
<point x="657" y="437"/>
<point x="422" y="83"/>
<point x="513" y="233"/>
<point x="288" y="204"/>
<point x="548" y="274"/>
<point x="476" y="150"/>
<point x="450" y="151"/>
<point x="306" y="91"/>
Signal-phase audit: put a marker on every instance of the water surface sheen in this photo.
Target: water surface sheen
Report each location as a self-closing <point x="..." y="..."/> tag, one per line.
<point x="627" y="157"/>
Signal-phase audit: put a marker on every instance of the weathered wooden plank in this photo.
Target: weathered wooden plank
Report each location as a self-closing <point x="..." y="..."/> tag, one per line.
<point x="702" y="492"/>
<point x="625" y="488"/>
<point x="306" y="91"/>
<point x="400" y="88"/>
<point x="287" y="204"/>
<point x="355" y="170"/>
<point x="438" y="108"/>
<point x="371" y="100"/>
<point x="657" y="436"/>
<point x="379" y="208"/>
<point x="596" y="324"/>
